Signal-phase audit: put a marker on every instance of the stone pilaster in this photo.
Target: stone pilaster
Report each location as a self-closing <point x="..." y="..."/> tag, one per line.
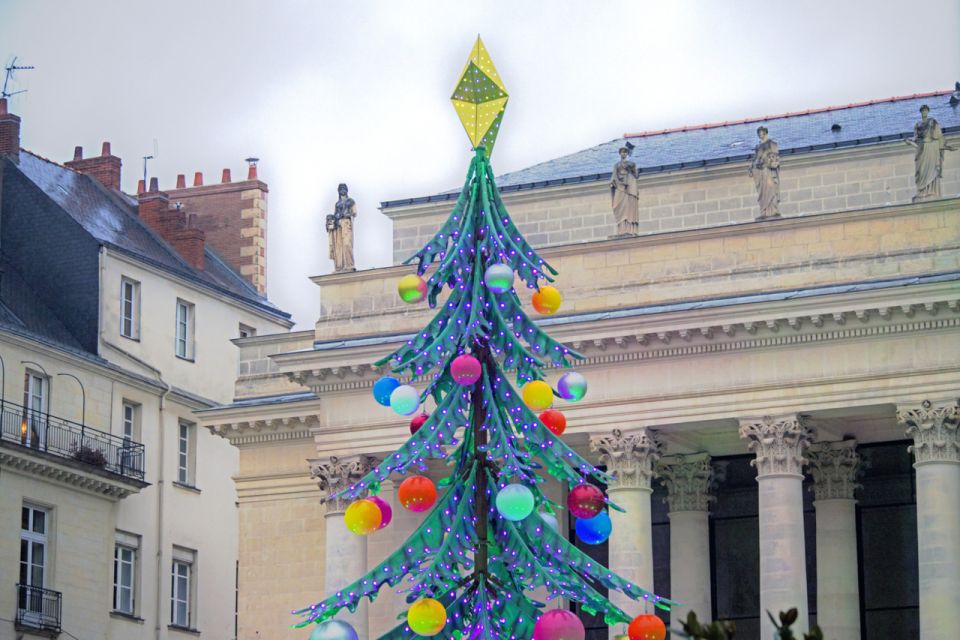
<point x="936" y="451"/>
<point x="779" y="444"/>
<point x="346" y="553"/>
<point x="834" y="467"/>
<point x="631" y="458"/>
<point x="688" y="480"/>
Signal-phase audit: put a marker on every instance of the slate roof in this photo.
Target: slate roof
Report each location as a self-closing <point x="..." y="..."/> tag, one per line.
<point x="111" y="218"/>
<point x="866" y="123"/>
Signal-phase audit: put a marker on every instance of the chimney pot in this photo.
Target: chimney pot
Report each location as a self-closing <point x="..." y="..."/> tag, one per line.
<point x="141" y="187"/>
<point x="77" y="153"/>
<point x="3" y="106"/>
<point x="181" y="181"/>
<point x="198" y="179"/>
<point x="226" y="176"/>
<point x="105" y="149"/>
<point x="154" y="185"/>
<point x="252" y="172"/>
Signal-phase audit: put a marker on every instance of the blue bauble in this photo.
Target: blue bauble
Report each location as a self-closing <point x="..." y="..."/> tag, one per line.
<point x="334" y="630"/>
<point x="405" y="400"/>
<point x="382" y="389"/>
<point x="594" y="530"/>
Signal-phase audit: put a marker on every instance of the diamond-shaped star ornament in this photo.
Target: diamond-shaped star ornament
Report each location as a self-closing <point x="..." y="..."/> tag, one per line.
<point x="480" y="98"/>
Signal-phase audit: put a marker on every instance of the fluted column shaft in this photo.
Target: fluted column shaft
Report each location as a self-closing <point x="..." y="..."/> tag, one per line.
<point x="936" y="451"/>
<point x="345" y="557"/>
<point x="834" y="467"/>
<point x="630" y="458"/>
<point x="688" y="480"/>
<point x="779" y="444"/>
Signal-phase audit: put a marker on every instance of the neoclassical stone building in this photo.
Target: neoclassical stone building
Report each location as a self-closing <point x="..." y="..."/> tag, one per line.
<point x="777" y="399"/>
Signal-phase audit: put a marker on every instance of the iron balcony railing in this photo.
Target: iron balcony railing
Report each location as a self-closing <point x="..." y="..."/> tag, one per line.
<point x="38" y="608"/>
<point x="63" y="438"/>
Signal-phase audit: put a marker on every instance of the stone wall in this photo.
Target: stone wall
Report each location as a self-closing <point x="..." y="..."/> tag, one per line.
<point x="257" y="375"/>
<point x="812" y="183"/>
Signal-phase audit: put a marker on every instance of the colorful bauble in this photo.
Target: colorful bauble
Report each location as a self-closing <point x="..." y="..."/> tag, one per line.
<point x="426" y="617"/>
<point x="537" y="395"/>
<point x="405" y="400"/>
<point x="386" y="512"/>
<point x="554" y="420"/>
<point x="498" y="278"/>
<point x="362" y="517"/>
<point x="515" y="502"/>
<point x="551" y="521"/>
<point x="647" y="626"/>
<point x="334" y="630"/>
<point x="412" y="288"/>
<point x="417" y="493"/>
<point x="585" y="501"/>
<point x="621" y="636"/>
<point x="418" y="421"/>
<point x="572" y="386"/>
<point x="559" y="624"/>
<point x="594" y="530"/>
<point x="465" y="369"/>
<point x="382" y="389"/>
<point x="547" y="300"/>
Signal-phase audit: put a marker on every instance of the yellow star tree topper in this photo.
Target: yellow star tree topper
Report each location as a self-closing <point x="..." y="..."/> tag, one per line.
<point x="480" y="98"/>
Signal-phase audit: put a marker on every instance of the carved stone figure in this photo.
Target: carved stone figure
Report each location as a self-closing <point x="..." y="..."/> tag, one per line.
<point x="340" y="231"/>
<point x="930" y="145"/>
<point x="625" y="194"/>
<point x="765" y="171"/>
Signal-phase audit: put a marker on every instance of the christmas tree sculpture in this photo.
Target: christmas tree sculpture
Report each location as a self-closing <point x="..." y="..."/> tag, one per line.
<point x="490" y="538"/>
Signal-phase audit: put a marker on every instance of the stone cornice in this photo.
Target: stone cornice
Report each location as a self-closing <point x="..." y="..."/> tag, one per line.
<point x="62" y="472"/>
<point x="778" y="443"/>
<point x="688" y="480"/>
<point x="834" y="467"/>
<point x="630" y="457"/>
<point x="935" y="429"/>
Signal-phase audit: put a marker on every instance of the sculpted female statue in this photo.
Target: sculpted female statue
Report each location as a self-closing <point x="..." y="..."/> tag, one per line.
<point x="765" y="171"/>
<point x="930" y="145"/>
<point x="625" y="194"/>
<point x="340" y="231"/>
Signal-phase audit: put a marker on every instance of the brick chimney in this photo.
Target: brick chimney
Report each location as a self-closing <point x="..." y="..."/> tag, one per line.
<point x="171" y="224"/>
<point x="9" y="132"/>
<point x="105" y="169"/>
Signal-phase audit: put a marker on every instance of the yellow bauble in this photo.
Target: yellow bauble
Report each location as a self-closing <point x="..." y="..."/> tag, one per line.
<point x="537" y="395"/>
<point x="427" y="617"/>
<point x="362" y="517"/>
<point x="547" y="300"/>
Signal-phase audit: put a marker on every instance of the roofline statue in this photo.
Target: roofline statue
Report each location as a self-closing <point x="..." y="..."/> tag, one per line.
<point x="765" y="171"/>
<point x="625" y="194"/>
<point x="340" y="231"/>
<point x="928" y="160"/>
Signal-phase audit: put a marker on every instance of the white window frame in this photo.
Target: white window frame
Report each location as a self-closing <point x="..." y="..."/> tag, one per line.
<point x="186" y="447"/>
<point x="184" y="329"/>
<point x="130" y="422"/>
<point x="36" y="400"/>
<point x="33" y="609"/>
<point x="126" y="551"/>
<point x="183" y="587"/>
<point x="129" y="308"/>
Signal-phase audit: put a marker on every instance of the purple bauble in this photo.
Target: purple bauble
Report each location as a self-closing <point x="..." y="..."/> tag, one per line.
<point x="386" y="513"/>
<point x="585" y="501"/>
<point x="465" y="369"/>
<point x="559" y="624"/>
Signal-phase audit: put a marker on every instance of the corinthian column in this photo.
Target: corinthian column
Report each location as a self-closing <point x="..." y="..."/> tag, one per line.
<point x="779" y="444"/>
<point x="630" y="458"/>
<point x="936" y="452"/>
<point x="834" y="467"/>
<point x="688" y="479"/>
<point x="345" y="553"/>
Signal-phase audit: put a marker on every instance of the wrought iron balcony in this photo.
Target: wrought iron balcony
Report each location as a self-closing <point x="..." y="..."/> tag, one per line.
<point x="38" y="609"/>
<point x="70" y="440"/>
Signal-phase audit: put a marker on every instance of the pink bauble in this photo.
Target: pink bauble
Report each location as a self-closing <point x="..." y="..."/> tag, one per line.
<point x="386" y="513"/>
<point x="585" y="501"/>
<point x="559" y="624"/>
<point x="465" y="369"/>
<point x="417" y="422"/>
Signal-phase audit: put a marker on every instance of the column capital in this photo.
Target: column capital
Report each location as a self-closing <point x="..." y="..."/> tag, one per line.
<point x="688" y="479"/>
<point x="778" y="443"/>
<point x="934" y="429"/>
<point x="834" y="467"/>
<point x="630" y="457"/>
<point x="334" y="474"/>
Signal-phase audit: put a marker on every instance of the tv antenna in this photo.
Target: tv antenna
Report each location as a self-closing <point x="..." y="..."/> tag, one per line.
<point x="10" y="68"/>
<point x="155" y="153"/>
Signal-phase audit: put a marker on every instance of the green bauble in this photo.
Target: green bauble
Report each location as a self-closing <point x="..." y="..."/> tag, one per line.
<point x="515" y="502"/>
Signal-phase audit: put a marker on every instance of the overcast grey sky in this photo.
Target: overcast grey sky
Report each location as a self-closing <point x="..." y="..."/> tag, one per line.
<point x="358" y="92"/>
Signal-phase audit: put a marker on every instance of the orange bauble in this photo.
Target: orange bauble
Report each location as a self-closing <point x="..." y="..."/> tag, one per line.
<point x="554" y="420"/>
<point x="547" y="300"/>
<point x="647" y="626"/>
<point x="417" y="493"/>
